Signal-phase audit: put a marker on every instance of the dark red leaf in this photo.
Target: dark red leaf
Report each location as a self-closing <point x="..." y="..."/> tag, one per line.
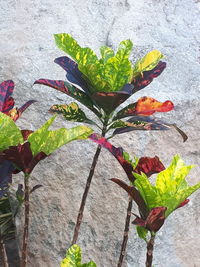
<point x="149" y="166"/>
<point x="117" y="153"/>
<point x="156" y="219"/>
<point x="6" y="101"/>
<point x="22" y="157"/>
<point x="138" y="221"/>
<point x="109" y="101"/>
<point x="135" y="194"/>
<point x="147" y="77"/>
<point x="26" y="133"/>
<point x="40" y="156"/>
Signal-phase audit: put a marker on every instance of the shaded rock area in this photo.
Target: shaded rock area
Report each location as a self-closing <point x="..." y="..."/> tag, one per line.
<point x="27" y="51"/>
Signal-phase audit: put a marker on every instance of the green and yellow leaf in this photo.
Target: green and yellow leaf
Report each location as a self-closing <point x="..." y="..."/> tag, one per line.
<point x="73" y="258"/>
<point x="109" y="73"/>
<point x="47" y="141"/>
<point x="71" y="112"/>
<point x="170" y="189"/>
<point x="10" y="133"/>
<point x="147" y="63"/>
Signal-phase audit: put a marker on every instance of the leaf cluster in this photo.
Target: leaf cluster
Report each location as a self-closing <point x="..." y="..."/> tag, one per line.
<point x="73" y="258"/>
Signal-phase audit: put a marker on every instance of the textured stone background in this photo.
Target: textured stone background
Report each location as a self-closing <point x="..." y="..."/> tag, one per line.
<point x="27" y="51"/>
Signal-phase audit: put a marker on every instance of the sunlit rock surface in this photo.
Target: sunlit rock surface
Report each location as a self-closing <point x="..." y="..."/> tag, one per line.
<point x="27" y="52"/>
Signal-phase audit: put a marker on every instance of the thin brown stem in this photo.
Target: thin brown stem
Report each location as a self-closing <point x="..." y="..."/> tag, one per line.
<point x="126" y="231"/>
<point x="85" y="194"/>
<point x="3" y="253"/>
<point x="26" y="221"/>
<point x="87" y="187"/>
<point x="150" y="247"/>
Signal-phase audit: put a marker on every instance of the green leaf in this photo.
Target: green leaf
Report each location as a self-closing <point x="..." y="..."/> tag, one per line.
<point x="134" y="162"/>
<point x="71" y="112"/>
<point x="148" y="191"/>
<point x="106" y="53"/>
<point x="118" y="69"/>
<point x="69" y="45"/>
<point x="10" y="133"/>
<point x="48" y="141"/>
<point x="89" y="264"/>
<point x="110" y="73"/>
<point x="148" y="62"/>
<point x="73" y="258"/>
<point x="142" y="232"/>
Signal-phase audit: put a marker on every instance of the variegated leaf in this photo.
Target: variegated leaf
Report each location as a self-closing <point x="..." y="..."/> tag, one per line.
<point x="145" y="106"/>
<point x="72" y="91"/>
<point x="6" y="101"/>
<point x="71" y="112"/>
<point x="147" y="63"/>
<point x="145" y="78"/>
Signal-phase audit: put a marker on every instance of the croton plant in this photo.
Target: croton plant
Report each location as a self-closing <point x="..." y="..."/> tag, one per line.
<point x="7" y="106"/>
<point x="22" y="150"/>
<point x="102" y="84"/>
<point x="155" y="201"/>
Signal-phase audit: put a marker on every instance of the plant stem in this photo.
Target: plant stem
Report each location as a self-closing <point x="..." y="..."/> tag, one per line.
<point x="3" y="253"/>
<point x="26" y="221"/>
<point x="87" y="187"/>
<point x="150" y="246"/>
<point x="126" y="230"/>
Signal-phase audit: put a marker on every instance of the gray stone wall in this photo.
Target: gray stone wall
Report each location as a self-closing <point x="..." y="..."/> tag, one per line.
<point x="27" y="51"/>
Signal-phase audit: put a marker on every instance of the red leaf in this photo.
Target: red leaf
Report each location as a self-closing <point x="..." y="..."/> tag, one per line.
<point x="149" y="166"/>
<point x="135" y="194"/>
<point x="6" y="101"/>
<point x="183" y="203"/>
<point x="138" y="221"/>
<point x="109" y="101"/>
<point x="156" y="219"/>
<point x="26" y="133"/>
<point x="147" y="106"/>
<point x="22" y="157"/>
<point x="117" y="153"/>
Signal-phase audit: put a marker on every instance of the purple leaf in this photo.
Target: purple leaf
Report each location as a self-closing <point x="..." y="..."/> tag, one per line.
<point x="73" y="73"/>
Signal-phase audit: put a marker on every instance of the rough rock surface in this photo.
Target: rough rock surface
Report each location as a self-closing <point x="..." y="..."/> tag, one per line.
<point x="27" y="51"/>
